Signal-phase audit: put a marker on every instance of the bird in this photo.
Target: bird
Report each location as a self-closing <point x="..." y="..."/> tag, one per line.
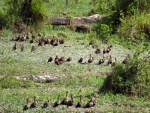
<point x="57" y="103"/>
<point x="40" y="43"/>
<point x="95" y="95"/>
<point x="101" y="61"/>
<point x="33" y="105"/>
<point x="80" y="60"/>
<point x="69" y="59"/>
<point x="62" y="59"/>
<point x="90" y="103"/>
<point x="22" y="48"/>
<point x="104" y="51"/>
<point x="71" y="101"/>
<point x="27" y="106"/>
<point x="98" y="51"/>
<point x="31" y="41"/>
<point x="57" y="62"/>
<point x="125" y="61"/>
<point x="50" y="59"/>
<point x="46" y="104"/>
<point x="91" y="59"/>
<point x="114" y="63"/>
<point x="61" y="41"/>
<point x="65" y="100"/>
<point x="56" y="57"/>
<point x="33" y="48"/>
<point x="109" y="61"/>
<point x="79" y="104"/>
<point x="15" y="46"/>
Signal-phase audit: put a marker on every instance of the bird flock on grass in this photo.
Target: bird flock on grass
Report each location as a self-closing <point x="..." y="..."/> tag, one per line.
<point x="66" y="101"/>
<point x="54" y="41"/>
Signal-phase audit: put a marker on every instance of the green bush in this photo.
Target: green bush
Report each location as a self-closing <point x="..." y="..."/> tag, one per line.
<point x="132" y="78"/>
<point x="20" y="12"/>
<point x="133" y="26"/>
<point x="103" y="32"/>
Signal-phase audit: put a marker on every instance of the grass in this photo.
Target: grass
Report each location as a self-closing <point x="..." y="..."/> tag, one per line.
<point x="72" y="76"/>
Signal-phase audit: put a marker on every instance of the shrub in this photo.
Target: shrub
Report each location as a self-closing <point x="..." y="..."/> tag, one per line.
<point x="20" y="12"/>
<point x="103" y="32"/>
<point x="132" y="78"/>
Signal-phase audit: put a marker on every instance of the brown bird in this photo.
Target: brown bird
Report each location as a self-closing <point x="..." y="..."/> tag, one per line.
<point x="57" y="62"/>
<point x="33" y="105"/>
<point x="101" y="61"/>
<point x="31" y="41"/>
<point x="125" y="61"/>
<point x="61" y="41"/>
<point x="91" y="59"/>
<point x="22" y="48"/>
<point x="33" y="48"/>
<point x="27" y="106"/>
<point x="46" y="104"/>
<point x="108" y="49"/>
<point x="114" y="63"/>
<point x="104" y="51"/>
<point x="79" y="104"/>
<point x="50" y="59"/>
<point x="62" y="59"/>
<point x="57" y="103"/>
<point x="90" y="103"/>
<point x="56" y="57"/>
<point x="95" y="96"/>
<point x="109" y="61"/>
<point x="71" y="101"/>
<point x="69" y="59"/>
<point x="80" y="60"/>
<point x="15" y="46"/>
<point x="40" y="43"/>
<point x="65" y="100"/>
<point x="98" y="51"/>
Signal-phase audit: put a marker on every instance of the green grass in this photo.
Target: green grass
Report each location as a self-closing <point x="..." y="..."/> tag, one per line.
<point x="71" y="76"/>
<point x="58" y="8"/>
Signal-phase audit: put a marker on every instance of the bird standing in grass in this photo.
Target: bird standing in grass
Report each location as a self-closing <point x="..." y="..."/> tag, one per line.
<point x="65" y="100"/>
<point x="33" y="48"/>
<point x="33" y="105"/>
<point x="91" y="59"/>
<point x="71" y="101"/>
<point x="80" y="60"/>
<point x="101" y="61"/>
<point x="22" y="48"/>
<point x="46" y="104"/>
<point x="15" y="46"/>
<point x="57" y="103"/>
<point x="69" y="59"/>
<point x="50" y="59"/>
<point x="90" y="103"/>
<point x="27" y="106"/>
<point x="79" y="104"/>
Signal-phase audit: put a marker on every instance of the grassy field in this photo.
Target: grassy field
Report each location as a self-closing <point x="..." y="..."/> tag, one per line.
<point x="70" y="76"/>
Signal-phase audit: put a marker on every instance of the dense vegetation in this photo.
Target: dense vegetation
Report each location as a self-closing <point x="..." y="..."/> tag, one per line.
<point x="123" y="87"/>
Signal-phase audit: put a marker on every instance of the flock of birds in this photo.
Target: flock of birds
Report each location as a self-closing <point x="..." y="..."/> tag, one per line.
<point x="66" y="101"/>
<point x="55" y="41"/>
<point x="60" y="60"/>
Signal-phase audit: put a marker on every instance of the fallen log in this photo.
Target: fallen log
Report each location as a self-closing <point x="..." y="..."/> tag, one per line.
<point x="82" y="28"/>
<point x="76" y="20"/>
